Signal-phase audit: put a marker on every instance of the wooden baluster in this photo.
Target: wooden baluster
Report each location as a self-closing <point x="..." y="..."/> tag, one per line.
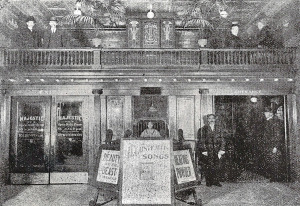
<point x="85" y="57"/>
<point x="72" y="54"/>
<point x="10" y="56"/>
<point x="92" y="55"/>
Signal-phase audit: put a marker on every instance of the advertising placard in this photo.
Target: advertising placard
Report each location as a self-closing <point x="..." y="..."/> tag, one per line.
<point x="183" y="166"/>
<point x="109" y="167"/>
<point x="146" y="172"/>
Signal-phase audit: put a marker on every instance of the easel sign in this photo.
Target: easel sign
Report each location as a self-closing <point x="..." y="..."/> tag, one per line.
<point x="107" y="168"/>
<point x="147" y="172"/>
<point x="184" y="168"/>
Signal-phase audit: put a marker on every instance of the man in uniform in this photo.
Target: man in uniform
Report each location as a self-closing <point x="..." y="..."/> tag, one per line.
<point x="211" y="147"/>
<point x="233" y="40"/>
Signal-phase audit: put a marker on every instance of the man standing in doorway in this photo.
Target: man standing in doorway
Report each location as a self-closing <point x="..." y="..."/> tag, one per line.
<point x="211" y="147"/>
<point x="273" y="146"/>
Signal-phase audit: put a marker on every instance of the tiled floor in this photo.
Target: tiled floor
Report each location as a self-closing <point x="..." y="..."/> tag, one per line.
<point x="231" y="194"/>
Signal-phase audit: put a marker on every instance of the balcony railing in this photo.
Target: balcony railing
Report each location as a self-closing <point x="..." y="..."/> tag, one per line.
<point x="146" y="57"/>
<point x="43" y="57"/>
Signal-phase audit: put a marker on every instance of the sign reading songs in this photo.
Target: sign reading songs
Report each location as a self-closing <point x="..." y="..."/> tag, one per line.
<point x="146" y="168"/>
<point x="183" y="166"/>
<point x="108" y="171"/>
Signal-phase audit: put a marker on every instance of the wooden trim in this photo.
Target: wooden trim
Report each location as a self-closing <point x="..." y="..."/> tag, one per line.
<point x="294" y="139"/>
<point x="103" y="118"/>
<point x="91" y="135"/>
<point x="172" y="117"/>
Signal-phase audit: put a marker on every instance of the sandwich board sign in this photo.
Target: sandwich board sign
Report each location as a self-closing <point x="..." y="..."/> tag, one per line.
<point x="106" y="175"/>
<point x="147" y="172"/>
<point x="183" y="166"/>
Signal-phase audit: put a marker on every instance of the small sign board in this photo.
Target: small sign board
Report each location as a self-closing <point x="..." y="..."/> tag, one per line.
<point x="109" y="165"/>
<point x="107" y="169"/>
<point x="146" y="172"/>
<point x="184" y="168"/>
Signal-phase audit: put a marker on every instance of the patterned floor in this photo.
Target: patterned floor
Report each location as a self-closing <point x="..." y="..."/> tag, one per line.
<point x="231" y="194"/>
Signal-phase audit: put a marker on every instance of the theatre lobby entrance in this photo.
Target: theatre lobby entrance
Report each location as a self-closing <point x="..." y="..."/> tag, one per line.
<point x="48" y="141"/>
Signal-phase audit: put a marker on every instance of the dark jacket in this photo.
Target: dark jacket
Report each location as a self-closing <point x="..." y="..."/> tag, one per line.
<point x="55" y="40"/>
<point x="273" y="135"/>
<point x="234" y="42"/>
<point x="266" y="38"/>
<point x="210" y="141"/>
<point x="30" y="39"/>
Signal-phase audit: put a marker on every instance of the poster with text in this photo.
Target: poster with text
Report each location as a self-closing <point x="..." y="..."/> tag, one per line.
<point x="183" y="165"/>
<point x="108" y="171"/>
<point x="146" y="172"/>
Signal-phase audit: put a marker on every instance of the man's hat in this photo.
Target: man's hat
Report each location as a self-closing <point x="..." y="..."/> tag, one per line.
<point x="53" y="18"/>
<point x="30" y="18"/>
<point x="211" y="115"/>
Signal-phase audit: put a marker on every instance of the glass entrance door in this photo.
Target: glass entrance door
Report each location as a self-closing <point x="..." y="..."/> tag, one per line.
<point x="69" y="153"/>
<point x="48" y="141"/>
<point x="30" y="140"/>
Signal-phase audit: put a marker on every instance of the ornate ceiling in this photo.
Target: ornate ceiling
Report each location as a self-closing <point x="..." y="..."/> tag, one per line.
<point x="14" y="12"/>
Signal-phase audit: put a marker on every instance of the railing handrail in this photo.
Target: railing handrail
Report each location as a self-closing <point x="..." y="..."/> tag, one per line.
<point x="197" y="49"/>
<point x="143" y="56"/>
<point x="58" y="49"/>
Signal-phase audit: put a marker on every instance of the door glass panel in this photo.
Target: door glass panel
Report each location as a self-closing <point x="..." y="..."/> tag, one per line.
<point x="29" y="148"/>
<point x="70" y="155"/>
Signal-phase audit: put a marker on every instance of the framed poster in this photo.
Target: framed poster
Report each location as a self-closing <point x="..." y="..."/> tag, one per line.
<point x="107" y="168"/>
<point x="146" y="172"/>
<point x="184" y="168"/>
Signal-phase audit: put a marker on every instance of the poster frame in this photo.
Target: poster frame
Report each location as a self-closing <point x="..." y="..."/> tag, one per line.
<point x="171" y="166"/>
<point x="104" y="185"/>
<point x="186" y="185"/>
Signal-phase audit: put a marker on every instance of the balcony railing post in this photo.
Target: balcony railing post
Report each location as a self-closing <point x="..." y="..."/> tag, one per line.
<point x="97" y="57"/>
<point x="203" y="57"/>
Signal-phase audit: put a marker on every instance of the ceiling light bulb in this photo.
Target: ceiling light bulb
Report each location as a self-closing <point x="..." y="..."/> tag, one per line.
<point x="77" y="12"/>
<point x="223" y="14"/>
<point x="150" y="14"/>
<point x="253" y="99"/>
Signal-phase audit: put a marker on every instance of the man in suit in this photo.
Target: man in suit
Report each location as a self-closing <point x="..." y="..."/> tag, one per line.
<point x="211" y="147"/>
<point x="30" y="37"/>
<point x="273" y="142"/>
<point x="233" y="40"/>
<point x="266" y="36"/>
<point x="54" y="37"/>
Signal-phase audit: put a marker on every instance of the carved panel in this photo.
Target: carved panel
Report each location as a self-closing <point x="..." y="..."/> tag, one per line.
<point x="134" y="33"/>
<point x="167" y="33"/>
<point x="185" y="116"/>
<point x="151" y="34"/>
<point x="115" y="117"/>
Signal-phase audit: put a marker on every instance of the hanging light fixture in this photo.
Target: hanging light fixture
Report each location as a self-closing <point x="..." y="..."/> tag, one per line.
<point x="223" y="14"/>
<point x="77" y="11"/>
<point x="150" y="14"/>
<point x="152" y="109"/>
